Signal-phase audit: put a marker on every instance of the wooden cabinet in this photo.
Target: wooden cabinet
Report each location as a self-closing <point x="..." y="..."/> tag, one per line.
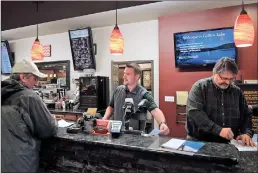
<point x="67" y="116"/>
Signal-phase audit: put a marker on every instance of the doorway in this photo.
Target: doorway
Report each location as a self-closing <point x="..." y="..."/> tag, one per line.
<point x="147" y="78"/>
<point x="147" y="81"/>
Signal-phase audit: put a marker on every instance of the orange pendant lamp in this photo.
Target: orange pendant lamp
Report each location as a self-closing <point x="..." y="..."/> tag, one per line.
<point x="37" y="50"/>
<point x="116" y="40"/>
<point x="243" y="30"/>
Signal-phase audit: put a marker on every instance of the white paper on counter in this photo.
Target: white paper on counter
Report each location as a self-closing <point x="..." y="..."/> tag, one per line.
<point x="238" y="144"/>
<point x="63" y="123"/>
<point x="255" y="138"/>
<point x="173" y="144"/>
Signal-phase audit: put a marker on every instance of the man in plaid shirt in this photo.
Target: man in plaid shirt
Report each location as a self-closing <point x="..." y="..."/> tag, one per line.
<point x="217" y="111"/>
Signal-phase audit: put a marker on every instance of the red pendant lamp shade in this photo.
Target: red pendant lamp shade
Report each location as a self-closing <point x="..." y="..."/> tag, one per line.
<point x="37" y="50"/>
<point x="116" y="42"/>
<point x="243" y="30"/>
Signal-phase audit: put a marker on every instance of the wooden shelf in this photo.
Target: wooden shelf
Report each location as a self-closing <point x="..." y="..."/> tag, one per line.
<point x="181" y="114"/>
<point x="180" y="122"/>
<point x="181" y="105"/>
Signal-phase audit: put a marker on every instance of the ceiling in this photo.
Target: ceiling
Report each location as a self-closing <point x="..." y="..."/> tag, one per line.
<point x="14" y="13"/>
<point x="148" y="11"/>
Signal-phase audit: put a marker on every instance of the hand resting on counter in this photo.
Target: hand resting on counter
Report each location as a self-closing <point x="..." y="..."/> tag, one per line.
<point x="246" y="140"/>
<point x="164" y="130"/>
<point x="228" y="134"/>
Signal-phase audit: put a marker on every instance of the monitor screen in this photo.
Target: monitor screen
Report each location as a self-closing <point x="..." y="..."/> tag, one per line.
<point x="81" y="43"/>
<point x="204" y="48"/>
<point x="6" y="60"/>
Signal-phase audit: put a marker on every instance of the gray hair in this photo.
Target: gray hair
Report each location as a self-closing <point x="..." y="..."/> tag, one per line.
<point x="225" y="64"/>
<point x="16" y="76"/>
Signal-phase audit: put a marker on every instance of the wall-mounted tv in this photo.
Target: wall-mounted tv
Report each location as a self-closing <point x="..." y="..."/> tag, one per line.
<point x="204" y="47"/>
<point x="7" y="60"/>
<point x="81" y="43"/>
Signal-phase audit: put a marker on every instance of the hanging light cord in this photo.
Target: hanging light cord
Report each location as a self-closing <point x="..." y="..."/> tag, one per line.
<point x="243" y="9"/>
<point x="37" y="19"/>
<point x="116" y="16"/>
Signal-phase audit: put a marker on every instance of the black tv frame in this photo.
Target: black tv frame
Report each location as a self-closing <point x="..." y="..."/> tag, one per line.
<point x="192" y="66"/>
<point x="11" y="55"/>
<point x="91" y="47"/>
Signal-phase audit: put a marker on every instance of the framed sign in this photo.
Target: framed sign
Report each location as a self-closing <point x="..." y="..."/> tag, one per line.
<point x="47" y="50"/>
<point x="82" y="49"/>
<point x="146" y="79"/>
<point x="251" y="95"/>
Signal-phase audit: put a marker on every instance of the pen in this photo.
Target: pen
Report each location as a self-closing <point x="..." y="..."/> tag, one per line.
<point x="182" y="147"/>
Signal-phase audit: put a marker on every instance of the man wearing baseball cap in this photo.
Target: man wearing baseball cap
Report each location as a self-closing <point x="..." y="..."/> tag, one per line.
<point x="27" y="73"/>
<point x="25" y="119"/>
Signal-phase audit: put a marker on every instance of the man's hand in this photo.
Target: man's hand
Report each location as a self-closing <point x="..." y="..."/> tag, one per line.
<point x="246" y="140"/>
<point x="58" y="117"/>
<point x="54" y="116"/>
<point x="226" y="133"/>
<point x="104" y="118"/>
<point x="164" y="130"/>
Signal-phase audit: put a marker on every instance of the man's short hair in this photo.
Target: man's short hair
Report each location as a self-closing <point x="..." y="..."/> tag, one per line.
<point x="225" y="64"/>
<point x="136" y="67"/>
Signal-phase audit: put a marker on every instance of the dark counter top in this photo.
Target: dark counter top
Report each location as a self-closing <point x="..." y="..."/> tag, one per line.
<point x="79" y="112"/>
<point x="222" y="153"/>
<point x="248" y="162"/>
<point x="65" y="111"/>
<point x="70" y="111"/>
<point x="135" y="153"/>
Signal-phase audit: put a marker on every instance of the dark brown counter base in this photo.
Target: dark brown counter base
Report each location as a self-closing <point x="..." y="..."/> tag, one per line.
<point x="82" y="153"/>
<point x="74" y="157"/>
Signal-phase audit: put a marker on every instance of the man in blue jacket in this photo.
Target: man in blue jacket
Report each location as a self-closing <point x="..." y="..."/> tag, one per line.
<point x="25" y="120"/>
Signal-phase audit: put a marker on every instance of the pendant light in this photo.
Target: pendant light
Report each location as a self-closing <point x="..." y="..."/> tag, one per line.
<point x="243" y="30"/>
<point x="116" y="40"/>
<point x="37" y="50"/>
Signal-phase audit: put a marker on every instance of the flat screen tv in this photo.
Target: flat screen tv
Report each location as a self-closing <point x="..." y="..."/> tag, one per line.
<point x="204" y="47"/>
<point x="7" y="60"/>
<point x="81" y="43"/>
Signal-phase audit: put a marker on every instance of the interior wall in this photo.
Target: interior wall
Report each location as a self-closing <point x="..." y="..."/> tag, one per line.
<point x="141" y="43"/>
<point x="172" y="79"/>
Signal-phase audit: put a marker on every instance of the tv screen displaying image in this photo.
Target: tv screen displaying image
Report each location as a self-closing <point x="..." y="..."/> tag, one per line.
<point x="204" y="47"/>
<point x="6" y="59"/>
<point x="81" y="43"/>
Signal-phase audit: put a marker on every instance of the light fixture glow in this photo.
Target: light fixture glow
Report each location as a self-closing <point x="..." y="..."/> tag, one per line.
<point x="243" y="30"/>
<point x="37" y="50"/>
<point x="116" y="44"/>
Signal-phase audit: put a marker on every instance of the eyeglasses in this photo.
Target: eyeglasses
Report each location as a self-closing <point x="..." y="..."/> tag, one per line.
<point x="227" y="79"/>
<point x="36" y="78"/>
